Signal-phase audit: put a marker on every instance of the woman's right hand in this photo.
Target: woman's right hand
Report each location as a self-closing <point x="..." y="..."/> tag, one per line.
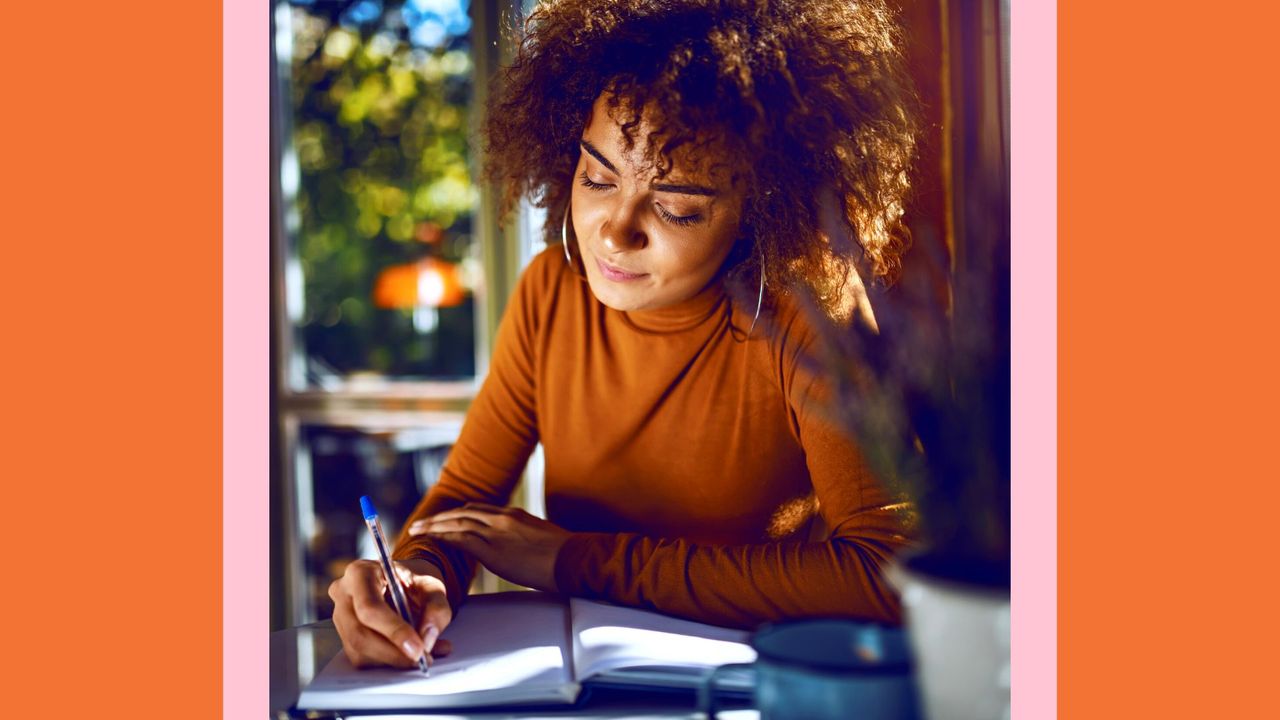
<point x="373" y="633"/>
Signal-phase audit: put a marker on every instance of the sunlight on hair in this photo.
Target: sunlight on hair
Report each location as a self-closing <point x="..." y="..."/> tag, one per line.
<point x="841" y="292"/>
<point x="805" y="94"/>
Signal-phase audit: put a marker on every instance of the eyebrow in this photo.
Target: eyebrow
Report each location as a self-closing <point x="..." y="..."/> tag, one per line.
<point x="660" y="187"/>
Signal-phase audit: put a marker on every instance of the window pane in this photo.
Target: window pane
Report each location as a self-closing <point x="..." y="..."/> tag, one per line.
<point x="382" y="269"/>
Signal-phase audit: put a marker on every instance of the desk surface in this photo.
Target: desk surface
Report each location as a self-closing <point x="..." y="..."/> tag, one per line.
<point x="297" y="654"/>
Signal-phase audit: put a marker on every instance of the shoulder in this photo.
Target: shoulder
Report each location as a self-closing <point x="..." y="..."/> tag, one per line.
<point x="546" y="276"/>
<point x="545" y="273"/>
<point x="545" y="285"/>
<point x="792" y="328"/>
<point x="801" y="339"/>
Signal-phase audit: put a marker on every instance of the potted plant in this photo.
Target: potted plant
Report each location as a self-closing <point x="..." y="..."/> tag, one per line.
<point x="924" y="389"/>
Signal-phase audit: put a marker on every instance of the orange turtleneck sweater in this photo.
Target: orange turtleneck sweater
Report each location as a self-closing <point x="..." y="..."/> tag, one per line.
<point x="693" y="466"/>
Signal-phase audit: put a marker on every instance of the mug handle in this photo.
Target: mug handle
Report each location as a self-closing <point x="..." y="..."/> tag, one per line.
<point x="707" y="690"/>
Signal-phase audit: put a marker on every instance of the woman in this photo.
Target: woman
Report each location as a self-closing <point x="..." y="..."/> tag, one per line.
<point x="683" y="149"/>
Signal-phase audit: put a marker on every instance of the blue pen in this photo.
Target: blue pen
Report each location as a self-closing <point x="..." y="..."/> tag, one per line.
<point x="397" y="592"/>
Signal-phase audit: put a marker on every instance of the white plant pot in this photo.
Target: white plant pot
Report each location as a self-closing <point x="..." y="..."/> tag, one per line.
<point x="960" y="637"/>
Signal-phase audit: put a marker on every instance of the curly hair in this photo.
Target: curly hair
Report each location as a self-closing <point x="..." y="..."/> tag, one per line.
<point x="814" y="92"/>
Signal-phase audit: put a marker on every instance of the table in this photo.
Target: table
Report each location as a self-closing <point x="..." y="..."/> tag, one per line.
<point x="297" y="654"/>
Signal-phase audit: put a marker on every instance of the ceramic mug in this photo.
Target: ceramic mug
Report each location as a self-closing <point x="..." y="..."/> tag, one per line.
<point x="826" y="669"/>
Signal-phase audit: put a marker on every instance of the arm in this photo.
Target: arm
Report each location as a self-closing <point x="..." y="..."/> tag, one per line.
<point x="499" y="433"/>
<point x="747" y="584"/>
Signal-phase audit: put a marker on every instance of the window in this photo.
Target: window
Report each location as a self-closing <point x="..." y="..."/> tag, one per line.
<point x="383" y="271"/>
<point x="389" y="268"/>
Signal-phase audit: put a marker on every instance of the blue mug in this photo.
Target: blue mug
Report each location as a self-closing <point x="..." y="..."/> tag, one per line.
<point x="826" y="669"/>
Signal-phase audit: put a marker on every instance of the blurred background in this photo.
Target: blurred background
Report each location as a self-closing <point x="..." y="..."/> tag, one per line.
<point x="390" y="267"/>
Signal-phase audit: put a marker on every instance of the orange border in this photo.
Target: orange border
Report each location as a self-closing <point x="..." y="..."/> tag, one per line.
<point x="1168" y="392"/>
<point x="112" y="295"/>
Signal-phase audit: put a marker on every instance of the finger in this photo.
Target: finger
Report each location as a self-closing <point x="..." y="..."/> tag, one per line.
<point x="408" y="579"/>
<point x="469" y="542"/>
<point x="435" y="609"/>
<point x="374" y="613"/>
<point x="428" y="603"/>
<point x="436" y="616"/>
<point x="443" y="647"/>
<point x="463" y="524"/>
<point x="486" y="507"/>
<point x="365" y="648"/>
<point x="483" y="509"/>
<point x="362" y="646"/>
<point x="476" y="515"/>
<point x="479" y="518"/>
<point x="403" y="574"/>
<point x="430" y="635"/>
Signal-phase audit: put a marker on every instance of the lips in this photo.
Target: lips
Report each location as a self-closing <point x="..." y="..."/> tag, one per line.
<point x="617" y="274"/>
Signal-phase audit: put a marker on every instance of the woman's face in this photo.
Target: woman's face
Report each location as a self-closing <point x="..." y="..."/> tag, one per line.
<point x="645" y="243"/>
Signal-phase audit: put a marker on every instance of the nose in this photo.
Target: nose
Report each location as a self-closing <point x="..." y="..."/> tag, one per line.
<point x="621" y="230"/>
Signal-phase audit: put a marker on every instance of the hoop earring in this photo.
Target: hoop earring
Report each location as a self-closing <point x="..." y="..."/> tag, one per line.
<point x="564" y="237"/>
<point x="759" y="298"/>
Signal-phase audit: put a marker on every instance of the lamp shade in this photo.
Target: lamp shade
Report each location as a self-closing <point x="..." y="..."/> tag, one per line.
<point x="430" y="282"/>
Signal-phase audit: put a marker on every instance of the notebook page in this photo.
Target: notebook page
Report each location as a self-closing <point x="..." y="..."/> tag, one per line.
<point x="609" y="637"/>
<point x="507" y="648"/>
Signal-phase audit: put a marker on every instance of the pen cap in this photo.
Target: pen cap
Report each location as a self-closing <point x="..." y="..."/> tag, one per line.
<point x="366" y="506"/>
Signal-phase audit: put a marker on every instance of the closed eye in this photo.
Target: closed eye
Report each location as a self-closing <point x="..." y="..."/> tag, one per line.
<point x="589" y="183"/>
<point x="681" y="220"/>
<point x="677" y="219"/>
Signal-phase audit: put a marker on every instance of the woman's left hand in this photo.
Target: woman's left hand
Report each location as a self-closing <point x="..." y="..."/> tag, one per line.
<point x="513" y="544"/>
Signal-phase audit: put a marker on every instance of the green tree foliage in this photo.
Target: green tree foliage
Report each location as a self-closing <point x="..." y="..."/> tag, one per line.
<point x="379" y="127"/>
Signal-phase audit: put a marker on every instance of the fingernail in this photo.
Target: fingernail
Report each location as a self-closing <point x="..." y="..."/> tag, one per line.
<point x="408" y="650"/>
<point x="429" y="637"/>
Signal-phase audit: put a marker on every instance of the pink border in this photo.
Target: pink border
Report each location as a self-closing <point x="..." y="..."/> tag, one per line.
<point x="246" y="334"/>
<point x="245" y="287"/>
<point x="1034" y="110"/>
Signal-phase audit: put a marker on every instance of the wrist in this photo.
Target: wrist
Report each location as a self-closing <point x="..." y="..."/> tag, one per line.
<point x="422" y="566"/>
<point x="570" y="568"/>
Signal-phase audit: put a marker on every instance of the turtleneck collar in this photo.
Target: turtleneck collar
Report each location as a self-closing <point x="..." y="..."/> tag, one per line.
<point x="683" y="315"/>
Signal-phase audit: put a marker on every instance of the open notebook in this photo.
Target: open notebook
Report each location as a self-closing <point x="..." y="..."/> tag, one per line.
<point x="531" y="648"/>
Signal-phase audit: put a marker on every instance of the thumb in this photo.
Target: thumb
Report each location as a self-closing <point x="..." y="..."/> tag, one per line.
<point x="430" y="602"/>
<point x="436" y="616"/>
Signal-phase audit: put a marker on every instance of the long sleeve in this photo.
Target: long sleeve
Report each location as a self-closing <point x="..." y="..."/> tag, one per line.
<point x="746" y="584"/>
<point x="497" y="437"/>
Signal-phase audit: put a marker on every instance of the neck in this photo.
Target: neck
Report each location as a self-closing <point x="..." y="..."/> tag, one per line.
<point x="682" y="315"/>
